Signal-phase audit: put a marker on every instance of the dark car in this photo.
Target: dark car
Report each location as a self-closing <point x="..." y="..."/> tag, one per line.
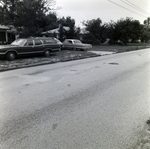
<point x="30" y="46"/>
<point x="75" y="44"/>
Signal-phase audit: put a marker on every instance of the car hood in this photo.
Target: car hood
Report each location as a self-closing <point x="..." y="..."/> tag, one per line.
<point x="6" y="46"/>
<point x="87" y="45"/>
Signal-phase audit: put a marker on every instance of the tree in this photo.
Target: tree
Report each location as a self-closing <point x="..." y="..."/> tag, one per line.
<point x="110" y="31"/>
<point x="94" y="27"/>
<point x="147" y="21"/>
<point x="146" y="30"/>
<point x="49" y="21"/>
<point x="127" y="29"/>
<point x="69" y="22"/>
<point x="29" y="17"/>
<point x="1" y="15"/>
<point x="5" y="10"/>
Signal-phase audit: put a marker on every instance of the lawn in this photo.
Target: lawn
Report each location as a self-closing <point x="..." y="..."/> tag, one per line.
<point x="65" y="55"/>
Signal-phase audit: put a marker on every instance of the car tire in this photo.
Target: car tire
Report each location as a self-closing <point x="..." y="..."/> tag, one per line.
<point x="47" y="53"/>
<point x="11" y="56"/>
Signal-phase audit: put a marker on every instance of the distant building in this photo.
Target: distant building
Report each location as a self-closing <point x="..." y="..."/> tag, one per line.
<point x="7" y="34"/>
<point x="54" y="32"/>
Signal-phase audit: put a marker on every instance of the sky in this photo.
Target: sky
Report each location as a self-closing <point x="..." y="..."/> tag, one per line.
<point x="106" y="10"/>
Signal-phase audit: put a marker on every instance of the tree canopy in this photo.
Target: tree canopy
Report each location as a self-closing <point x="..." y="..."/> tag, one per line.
<point x="69" y="22"/>
<point x="127" y="29"/>
<point x="29" y="17"/>
<point x="32" y="17"/>
<point x="123" y="30"/>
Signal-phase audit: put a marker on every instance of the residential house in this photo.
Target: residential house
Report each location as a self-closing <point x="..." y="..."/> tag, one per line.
<point x="54" y="32"/>
<point x="7" y="34"/>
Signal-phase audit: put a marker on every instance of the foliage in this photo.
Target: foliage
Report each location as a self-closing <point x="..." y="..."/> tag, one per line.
<point x="127" y="29"/>
<point x="89" y="38"/>
<point x="147" y="21"/>
<point x="146" y="35"/>
<point x="110" y="32"/>
<point x="146" y="30"/>
<point x="32" y="17"/>
<point x="68" y="22"/>
<point x="29" y="17"/>
<point x="123" y="30"/>
<point x="50" y="21"/>
<point x="7" y="10"/>
<point x="94" y="28"/>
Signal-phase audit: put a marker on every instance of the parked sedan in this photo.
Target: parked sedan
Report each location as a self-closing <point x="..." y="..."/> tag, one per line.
<point x="30" y="46"/>
<point x="75" y="44"/>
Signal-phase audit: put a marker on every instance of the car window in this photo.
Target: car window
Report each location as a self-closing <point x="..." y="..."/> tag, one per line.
<point x="19" y="42"/>
<point x="77" y="41"/>
<point x="48" y="41"/>
<point x="37" y="42"/>
<point x="69" y="41"/>
<point x="59" y="42"/>
<point x="29" y="43"/>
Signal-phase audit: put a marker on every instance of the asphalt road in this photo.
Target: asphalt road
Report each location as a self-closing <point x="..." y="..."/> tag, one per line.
<point x="95" y="103"/>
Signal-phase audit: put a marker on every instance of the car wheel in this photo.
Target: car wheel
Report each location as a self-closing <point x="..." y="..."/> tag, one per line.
<point x="11" y="56"/>
<point x="47" y="53"/>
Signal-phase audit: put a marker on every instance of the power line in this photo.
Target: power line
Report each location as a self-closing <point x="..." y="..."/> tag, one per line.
<point x="134" y="6"/>
<point x="126" y="8"/>
<point x="145" y="3"/>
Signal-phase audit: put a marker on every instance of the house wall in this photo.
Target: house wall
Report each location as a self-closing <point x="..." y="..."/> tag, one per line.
<point x="3" y="37"/>
<point x="6" y="37"/>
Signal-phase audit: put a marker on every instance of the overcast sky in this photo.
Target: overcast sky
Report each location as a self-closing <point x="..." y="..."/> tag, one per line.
<point x="106" y="10"/>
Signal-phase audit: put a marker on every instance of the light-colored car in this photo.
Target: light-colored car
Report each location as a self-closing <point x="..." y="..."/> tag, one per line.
<point x="30" y="46"/>
<point x="75" y="44"/>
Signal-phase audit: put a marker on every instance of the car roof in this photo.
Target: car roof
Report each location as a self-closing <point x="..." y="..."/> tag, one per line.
<point x="72" y="39"/>
<point x="38" y="38"/>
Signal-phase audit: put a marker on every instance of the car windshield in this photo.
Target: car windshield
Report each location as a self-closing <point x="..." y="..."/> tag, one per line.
<point x="19" y="42"/>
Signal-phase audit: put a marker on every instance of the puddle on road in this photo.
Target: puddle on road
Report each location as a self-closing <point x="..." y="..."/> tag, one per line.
<point x="114" y="63"/>
<point x="37" y="72"/>
<point x="54" y="126"/>
<point x="73" y="70"/>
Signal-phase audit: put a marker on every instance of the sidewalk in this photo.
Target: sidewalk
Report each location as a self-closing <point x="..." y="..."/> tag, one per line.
<point x="102" y="53"/>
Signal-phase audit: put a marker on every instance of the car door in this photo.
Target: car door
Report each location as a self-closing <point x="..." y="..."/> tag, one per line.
<point x="38" y="46"/>
<point x="51" y="44"/>
<point x="77" y="44"/>
<point x="27" y="48"/>
<point x="69" y="44"/>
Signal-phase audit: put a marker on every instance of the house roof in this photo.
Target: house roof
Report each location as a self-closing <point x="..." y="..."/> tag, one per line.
<point x="56" y="30"/>
<point x="3" y="27"/>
